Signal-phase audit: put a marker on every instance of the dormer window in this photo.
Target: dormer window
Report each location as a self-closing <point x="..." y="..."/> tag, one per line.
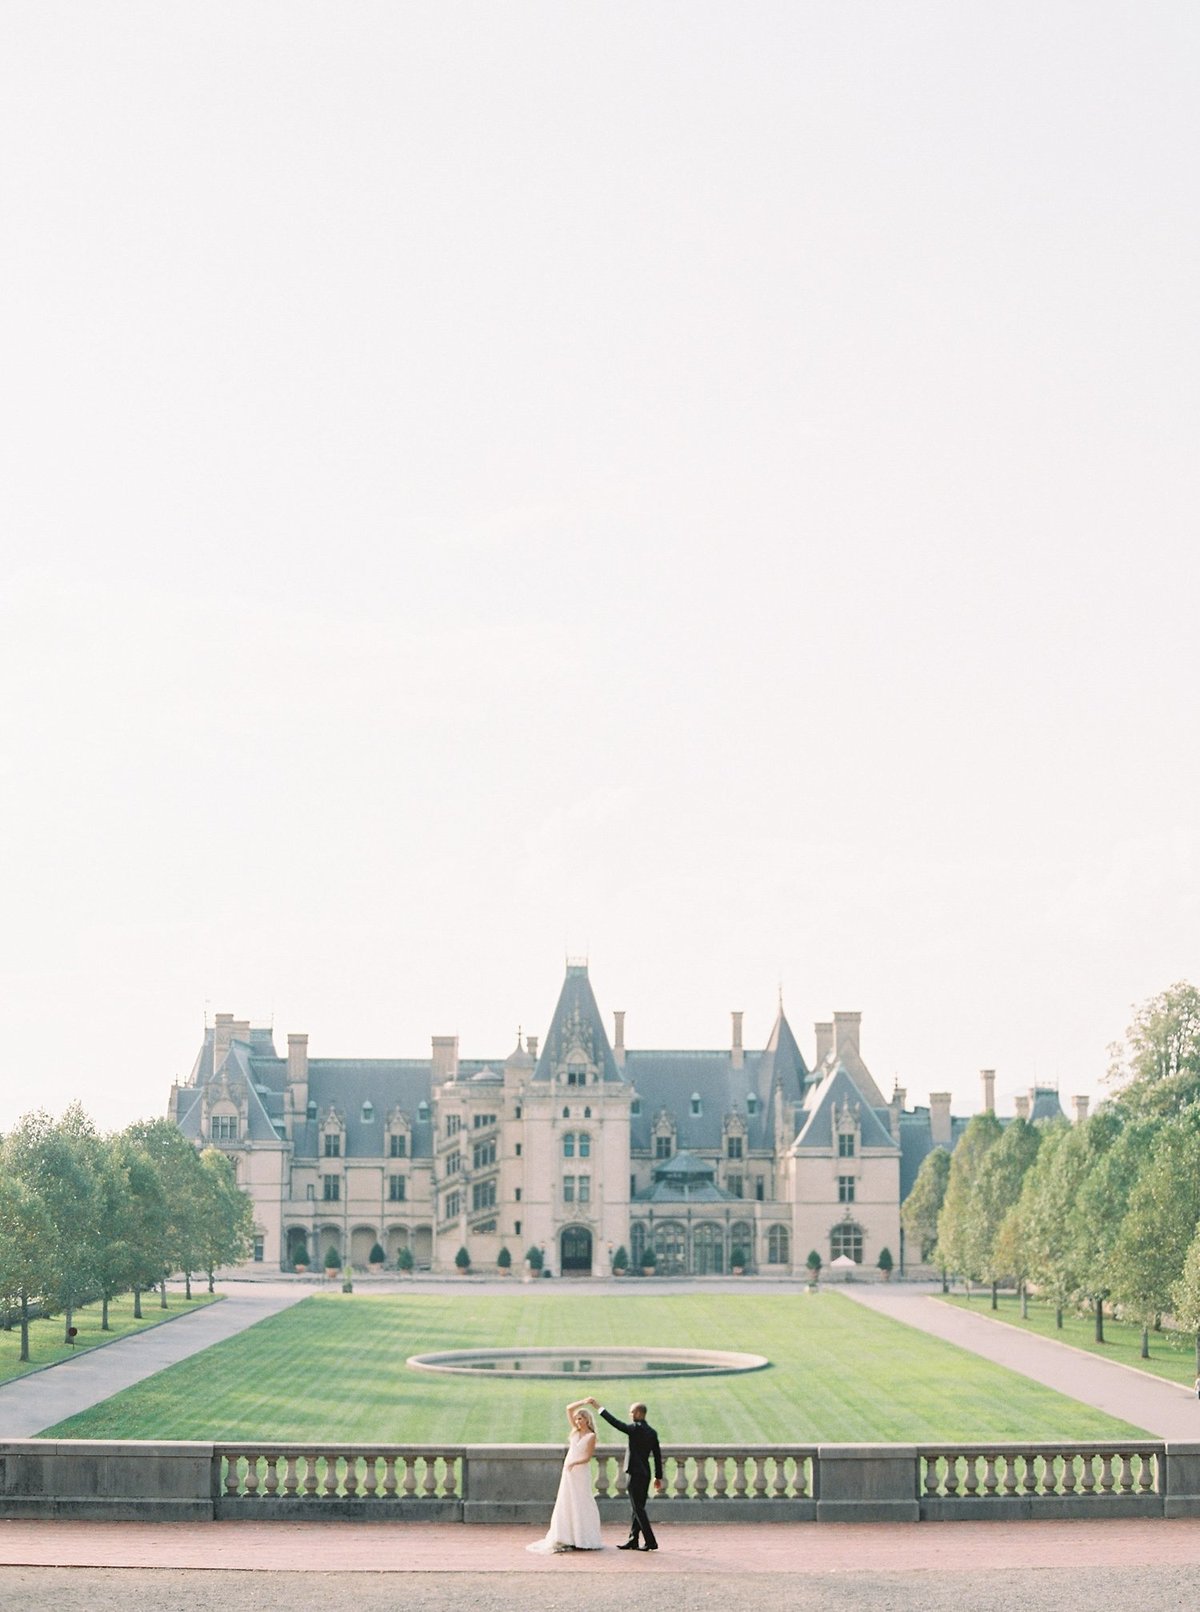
<point x="751" y="1103"/>
<point x="311" y="1111"/>
<point x="635" y="1107"/>
<point x="697" y="1108"/>
<point x="576" y="1074"/>
<point x="333" y="1144"/>
<point x="224" y="1127"/>
<point x="368" y="1113"/>
<point x="845" y="1144"/>
<point x="423" y="1112"/>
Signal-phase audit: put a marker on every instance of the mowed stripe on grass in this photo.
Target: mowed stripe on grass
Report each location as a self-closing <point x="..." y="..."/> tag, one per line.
<point x="333" y="1368"/>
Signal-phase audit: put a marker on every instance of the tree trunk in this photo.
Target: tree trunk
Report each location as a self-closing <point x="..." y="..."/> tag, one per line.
<point x="1024" y="1302"/>
<point x="137" y="1301"/>
<point x="1058" y="1317"/>
<point x="67" y="1314"/>
<point x="162" y="1292"/>
<point x="1145" y="1343"/>
<point x="995" y="1305"/>
<point x="211" y="1288"/>
<point x="24" y="1355"/>
<point x="104" y="1326"/>
<point x="1099" y="1320"/>
<point x="945" y="1282"/>
<point x="187" y="1284"/>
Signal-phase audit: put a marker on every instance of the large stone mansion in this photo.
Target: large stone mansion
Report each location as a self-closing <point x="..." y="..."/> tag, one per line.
<point x="714" y="1159"/>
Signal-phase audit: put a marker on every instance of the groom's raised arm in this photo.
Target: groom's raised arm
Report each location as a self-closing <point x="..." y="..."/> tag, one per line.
<point x="622" y="1427"/>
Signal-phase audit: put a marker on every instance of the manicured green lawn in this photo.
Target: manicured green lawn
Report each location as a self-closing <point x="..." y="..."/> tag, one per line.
<point x="46" y="1344"/>
<point x="1172" y="1354"/>
<point x="333" y="1368"/>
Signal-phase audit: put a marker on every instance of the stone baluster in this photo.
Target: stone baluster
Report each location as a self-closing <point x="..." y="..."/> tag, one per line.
<point x="371" y="1477"/>
<point x="271" y="1486"/>
<point x="931" y="1474"/>
<point x="681" y="1476"/>
<point x="389" y="1476"/>
<point x="971" y="1480"/>
<point x="232" y="1463"/>
<point x="290" y="1479"/>
<point x="989" y="1473"/>
<point x="1106" y="1472"/>
<point x="430" y="1486"/>
<point x="720" y="1480"/>
<point x="310" y="1473"/>
<point x="760" y="1477"/>
<point x="251" y="1486"/>
<point x="1087" y="1475"/>
<point x="450" y="1478"/>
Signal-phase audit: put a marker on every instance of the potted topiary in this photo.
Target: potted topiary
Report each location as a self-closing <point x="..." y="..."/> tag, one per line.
<point x="814" y="1270"/>
<point x="504" y="1262"/>
<point x="649" y="1261"/>
<point x="620" y="1261"/>
<point x="405" y="1261"/>
<point x="333" y="1262"/>
<point x="463" y="1260"/>
<point x="884" y="1262"/>
<point x="300" y="1259"/>
<point x="737" y="1261"/>
<point x="376" y="1259"/>
<point x="533" y="1260"/>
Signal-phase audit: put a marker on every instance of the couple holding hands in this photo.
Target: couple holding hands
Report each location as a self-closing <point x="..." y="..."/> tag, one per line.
<point x="575" y="1520"/>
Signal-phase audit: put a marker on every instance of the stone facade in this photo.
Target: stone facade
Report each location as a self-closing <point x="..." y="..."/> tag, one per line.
<point x="713" y="1159"/>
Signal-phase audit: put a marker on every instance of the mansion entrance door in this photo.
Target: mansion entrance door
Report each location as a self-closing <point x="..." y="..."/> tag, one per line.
<point x="576" y="1251"/>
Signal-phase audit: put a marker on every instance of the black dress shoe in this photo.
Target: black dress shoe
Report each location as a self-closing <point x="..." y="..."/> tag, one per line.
<point x="649" y="1547"/>
<point x="630" y="1544"/>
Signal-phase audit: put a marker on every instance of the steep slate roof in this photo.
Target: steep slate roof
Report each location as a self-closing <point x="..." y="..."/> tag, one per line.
<point x="577" y="1021"/>
<point x="669" y="1080"/>
<point x="837" y="1089"/>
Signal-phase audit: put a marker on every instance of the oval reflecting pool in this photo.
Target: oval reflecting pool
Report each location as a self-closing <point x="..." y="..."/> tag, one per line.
<point x="591" y="1363"/>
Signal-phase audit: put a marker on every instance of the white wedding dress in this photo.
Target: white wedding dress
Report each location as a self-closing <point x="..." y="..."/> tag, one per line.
<point x="575" y="1520"/>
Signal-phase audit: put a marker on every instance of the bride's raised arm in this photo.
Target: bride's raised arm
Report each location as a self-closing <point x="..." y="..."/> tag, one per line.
<point x="579" y="1404"/>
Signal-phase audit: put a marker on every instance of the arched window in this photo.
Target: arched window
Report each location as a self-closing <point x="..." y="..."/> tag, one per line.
<point x="566" y="1113"/>
<point x="637" y="1243"/>
<point x="846" y="1238"/>
<point x="779" y="1246"/>
<point x="585" y="1145"/>
<point x="670" y="1247"/>
<point x="587" y="1113"/>
<point x="569" y="1145"/>
<point x="708" y="1250"/>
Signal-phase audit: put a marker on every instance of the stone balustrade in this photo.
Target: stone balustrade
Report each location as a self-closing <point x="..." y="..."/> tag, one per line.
<point x="516" y="1483"/>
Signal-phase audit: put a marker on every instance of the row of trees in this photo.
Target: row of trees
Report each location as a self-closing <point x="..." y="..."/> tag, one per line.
<point x="84" y="1216"/>
<point x="1102" y="1212"/>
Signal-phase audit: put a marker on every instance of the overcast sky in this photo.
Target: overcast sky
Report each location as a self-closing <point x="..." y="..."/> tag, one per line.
<point x="707" y="487"/>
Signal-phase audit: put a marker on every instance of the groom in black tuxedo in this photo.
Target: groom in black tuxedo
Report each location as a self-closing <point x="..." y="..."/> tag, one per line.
<point x="643" y="1448"/>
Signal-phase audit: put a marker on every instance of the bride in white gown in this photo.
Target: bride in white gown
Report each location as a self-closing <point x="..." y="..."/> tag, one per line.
<point x="575" y="1520"/>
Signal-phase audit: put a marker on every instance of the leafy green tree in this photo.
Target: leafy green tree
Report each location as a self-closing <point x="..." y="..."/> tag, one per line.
<point x="1156" y="1069"/>
<point x="1001" y="1175"/>
<point x="1116" y="1148"/>
<point x="26" y="1241"/>
<point x="147" y="1235"/>
<point x="1159" y="1225"/>
<point x="1185" y="1294"/>
<point x="59" y="1161"/>
<point x="180" y="1172"/>
<point x="920" y="1210"/>
<point x="1040" y="1237"/>
<point x="964" y="1233"/>
<point x="227" y="1214"/>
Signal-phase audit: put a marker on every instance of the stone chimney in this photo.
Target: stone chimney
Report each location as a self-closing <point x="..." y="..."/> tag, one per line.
<point x="241" y="1029"/>
<point x="1021" y="1105"/>
<point x="1081" y="1107"/>
<point x="824" y="1041"/>
<point x="445" y="1058"/>
<point x="737" y="1055"/>
<point x="896" y="1107"/>
<point x="987" y="1080"/>
<point x="619" y="1037"/>
<point x="297" y="1072"/>
<point x="845" y="1034"/>
<point x="222" y="1036"/>
<point x="939" y="1118"/>
<point x="531" y="1046"/>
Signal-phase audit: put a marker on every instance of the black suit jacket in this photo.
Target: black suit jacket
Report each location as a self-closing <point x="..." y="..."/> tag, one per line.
<point x="643" y="1446"/>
